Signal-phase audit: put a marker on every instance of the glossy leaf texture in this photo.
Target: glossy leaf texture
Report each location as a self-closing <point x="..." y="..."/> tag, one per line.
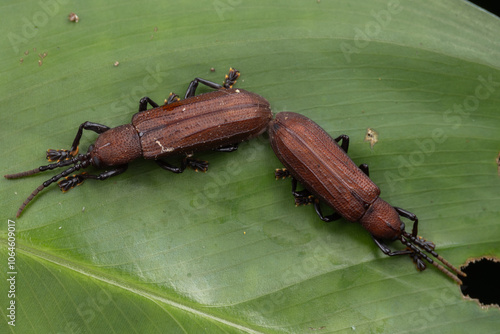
<point x="227" y="251"/>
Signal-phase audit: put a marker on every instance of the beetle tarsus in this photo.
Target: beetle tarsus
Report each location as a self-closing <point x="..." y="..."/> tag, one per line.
<point x="231" y="78"/>
<point x="70" y="182"/>
<point x="60" y="155"/>
<point x="304" y="200"/>
<point x="195" y="164"/>
<point x="417" y="259"/>
<point x="172" y="98"/>
<point x="281" y="173"/>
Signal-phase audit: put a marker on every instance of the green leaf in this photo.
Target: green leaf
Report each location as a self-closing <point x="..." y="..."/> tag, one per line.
<point x="227" y="251"/>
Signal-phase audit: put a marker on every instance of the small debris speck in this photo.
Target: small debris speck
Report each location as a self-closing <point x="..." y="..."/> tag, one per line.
<point x="73" y="17"/>
<point x="40" y="62"/>
<point x="212" y="69"/>
<point x="26" y="52"/>
<point x="116" y="63"/>
<point x="21" y="60"/>
<point x="60" y="227"/>
<point x="371" y="136"/>
<point x="498" y="163"/>
<point x="155" y="30"/>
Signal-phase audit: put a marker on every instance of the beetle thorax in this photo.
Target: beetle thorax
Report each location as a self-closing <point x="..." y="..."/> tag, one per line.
<point x="117" y="146"/>
<point x="382" y="220"/>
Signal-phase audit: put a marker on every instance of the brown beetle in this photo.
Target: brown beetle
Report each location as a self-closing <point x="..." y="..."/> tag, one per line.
<point x="316" y="160"/>
<point x="217" y="120"/>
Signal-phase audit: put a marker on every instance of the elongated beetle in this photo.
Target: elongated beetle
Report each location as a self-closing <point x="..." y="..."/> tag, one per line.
<point x="315" y="159"/>
<point x="217" y="120"/>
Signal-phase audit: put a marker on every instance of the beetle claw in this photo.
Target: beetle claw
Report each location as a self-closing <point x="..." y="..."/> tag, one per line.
<point x="282" y="173"/>
<point x="304" y="200"/>
<point x="197" y="165"/>
<point x="172" y="98"/>
<point x="231" y="78"/>
<point x="57" y="155"/>
<point x="69" y="182"/>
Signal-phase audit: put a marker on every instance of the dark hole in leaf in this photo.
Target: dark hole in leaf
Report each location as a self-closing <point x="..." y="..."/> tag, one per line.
<point x="482" y="281"/>
<point x="491" y="6"/>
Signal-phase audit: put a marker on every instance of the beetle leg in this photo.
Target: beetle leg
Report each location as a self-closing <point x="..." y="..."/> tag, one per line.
<point x="229" y="81"/>
<point x="330" y="218"/>
<point x="188" y="161"/>
<point x="75" y="180"/>
<point x="143" y="104"/>
<point x="345" y="142"/>
<point x="410" y="216"/>
<point x="387" y="251"/>
<point x="414" y="232"/>
<point x="227" y="148"/>
<point x="364" y="168"/>
<point x="296" y="193"/>
<point x="302" y="197"/>
<point x="58" y="155"/>
<point x="305" y="197"/>
<point x="165" y="165"/>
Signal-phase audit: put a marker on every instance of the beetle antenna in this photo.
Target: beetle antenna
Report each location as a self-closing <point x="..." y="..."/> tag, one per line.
<point x="412" y="242"/>
<point x="80" y="161"/>
<point x="63" y="163"/>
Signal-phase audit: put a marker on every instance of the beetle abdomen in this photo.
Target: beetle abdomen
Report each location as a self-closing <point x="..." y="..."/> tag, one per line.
<point x="202" y="122"/>
<point x="323" y="168"/>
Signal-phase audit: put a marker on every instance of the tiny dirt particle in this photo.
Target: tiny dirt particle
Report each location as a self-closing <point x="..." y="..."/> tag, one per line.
<point x="73" y="17"/>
